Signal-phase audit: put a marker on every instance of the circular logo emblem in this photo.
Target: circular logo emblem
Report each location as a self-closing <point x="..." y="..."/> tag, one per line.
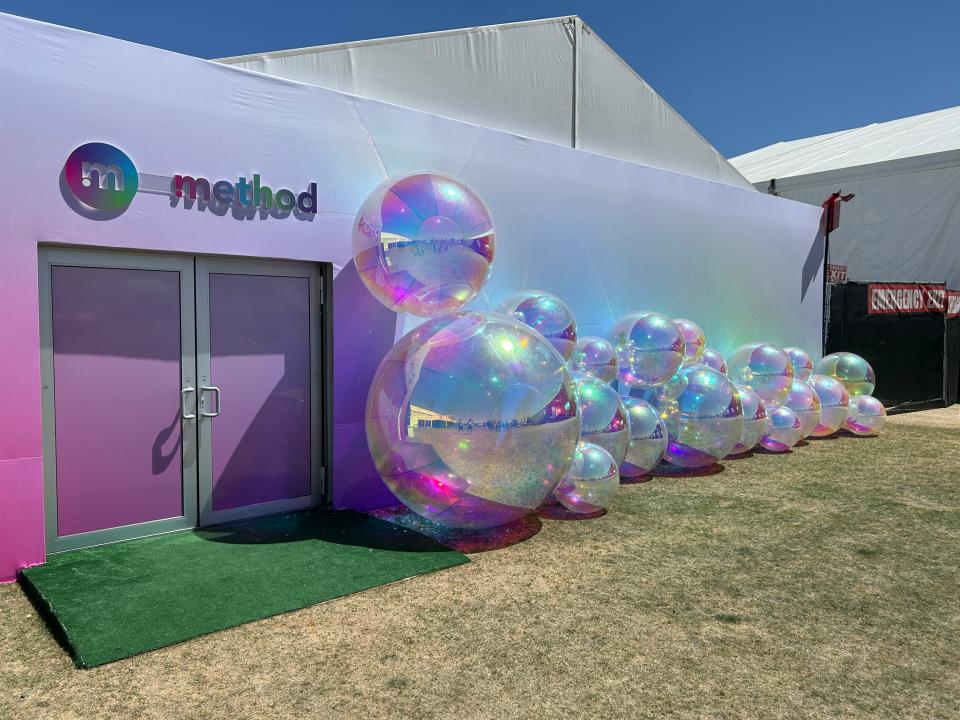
<point x="101" y="177"/>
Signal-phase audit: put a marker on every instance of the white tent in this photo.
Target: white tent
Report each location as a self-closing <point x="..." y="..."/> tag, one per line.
<point x="904" y="223"/>
<point x="552" y="80"/>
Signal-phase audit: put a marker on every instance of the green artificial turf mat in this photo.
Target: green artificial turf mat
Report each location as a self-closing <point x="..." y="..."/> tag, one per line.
<point x="110" y="602"/>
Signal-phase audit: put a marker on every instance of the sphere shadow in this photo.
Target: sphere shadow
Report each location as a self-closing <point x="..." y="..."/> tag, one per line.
<point x="556" y="511"/>
<point x="635" y="479"/>
<point x="745" y="455"/>
<point x="667" y="470"/>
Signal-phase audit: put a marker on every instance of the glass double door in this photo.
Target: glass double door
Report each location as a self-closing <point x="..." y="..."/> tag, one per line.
<point x="177" y="391"/>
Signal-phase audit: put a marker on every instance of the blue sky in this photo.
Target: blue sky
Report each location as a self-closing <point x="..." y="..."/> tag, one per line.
<point x="745" y="74"/>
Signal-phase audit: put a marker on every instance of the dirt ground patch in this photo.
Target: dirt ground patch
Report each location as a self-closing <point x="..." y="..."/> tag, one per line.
<point x="818" y="584"/>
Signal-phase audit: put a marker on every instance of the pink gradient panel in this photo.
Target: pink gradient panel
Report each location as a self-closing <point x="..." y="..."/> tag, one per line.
<point x="21" y="515"/>
<point x="260" y="359"/>
<point x="116" y="343"/>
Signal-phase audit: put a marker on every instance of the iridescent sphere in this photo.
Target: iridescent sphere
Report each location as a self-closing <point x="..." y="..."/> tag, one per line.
<point x="548" y="315"/>
<point x="783" y="429"/>
<point x="711" y="358"/>
<point x="707" y="420"/>
<point x="852" y="370"/>
<point x="591" y="482"/>
<point x="603" y="416"/>
<point x="472" y="419"/>
<point x="803" y="400"/>
<point x="867" y="416"/>
<point x="650" y="347"/>
<point x="802" y="364"/>
<point x="834" y="400"/>
<point x="754" y="420"/>
<point x="694" y="341"/>
<point x="648" y="438"/>
<point x="423" y="244"/>
<point x="596" y="356"/>
<point x="764" y="368"/>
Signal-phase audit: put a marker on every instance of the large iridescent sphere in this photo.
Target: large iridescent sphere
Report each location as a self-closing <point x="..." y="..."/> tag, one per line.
<point x="707" y="420"/>
<point x="548" y="315"/>
<point x="764" y="368"/>
<point x="694" y="340"/>
<point x="802" y="364"/>
<point x="603" y="415"/>
<point x="650" y="347"/>
<point x="852" y="370"/>
<point x="754" y="420"/>
<point x="596" y="356"/>
<point x="648" y="438"/>
<point x="591" y="482"/>
<point x="711" y="358"/>
<point x="423" y="244"/>
<point x="834" y="401"/>
<point x="867" y="416"/>
<point x="803" y="400"/>
<point x="472" y="419"/>
<point x="783" y="429"/>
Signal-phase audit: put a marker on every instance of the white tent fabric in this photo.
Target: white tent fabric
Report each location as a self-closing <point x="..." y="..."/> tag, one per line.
<point x="552" y="80"/>
<point x="904" y="223"/>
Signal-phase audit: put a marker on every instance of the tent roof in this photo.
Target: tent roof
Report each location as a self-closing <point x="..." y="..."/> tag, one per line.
<point x="920" y="135"/>
<point x="550" y="79"/>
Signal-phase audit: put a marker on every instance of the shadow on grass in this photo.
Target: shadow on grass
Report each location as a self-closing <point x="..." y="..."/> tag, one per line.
<point x="462" y="539"/>
<point x="674" y="471"/>
<point x="556" y="511"/>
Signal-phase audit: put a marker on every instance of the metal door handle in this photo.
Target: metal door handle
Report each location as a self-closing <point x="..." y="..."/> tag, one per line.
<point x="216" y="391"/>
<point x="183" y="404"/>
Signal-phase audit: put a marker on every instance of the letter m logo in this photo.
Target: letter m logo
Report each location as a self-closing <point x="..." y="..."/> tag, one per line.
<point x="106" y="175"/>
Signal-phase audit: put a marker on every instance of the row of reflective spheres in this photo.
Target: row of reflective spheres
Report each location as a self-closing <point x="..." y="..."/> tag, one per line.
<point x="476" y="418"/>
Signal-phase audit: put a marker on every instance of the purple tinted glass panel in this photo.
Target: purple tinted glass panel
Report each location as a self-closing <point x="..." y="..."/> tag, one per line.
<point x="260" y="360"/>
<point x="116" y="350"/>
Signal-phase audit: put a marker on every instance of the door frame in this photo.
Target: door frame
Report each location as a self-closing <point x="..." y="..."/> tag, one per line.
<point x="319" y="420"/>
<point x="50" y="257"/>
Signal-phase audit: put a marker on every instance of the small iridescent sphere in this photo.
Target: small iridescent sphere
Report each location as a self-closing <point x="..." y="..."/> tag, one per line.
<point x="596" y="356"/>
<point x="764" y="368"/>
<point x="852" y="370"/>
<point x="707" y="418"/>
<point x="548" y="315"/>
<point x="472" y="419"/>
<point x="650" y="347"/>
<point x="648" y="438"/>
<point x="754" y="420"/>
<point x="867" y="416"/>
<point x="803" y="400"/>
<point x="802" y="364"/>
<point x="603" y="416"/>
<point x="423" y="244"/>
<point x="711" y="358"/>
<point x="694" y="340"/>
<point x="783" y="429"/>
<point x="591" y="482"/>
<point x="834" y="401"/>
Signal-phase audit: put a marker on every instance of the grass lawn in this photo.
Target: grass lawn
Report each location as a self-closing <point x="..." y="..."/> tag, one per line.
<point x="823" y="583"/>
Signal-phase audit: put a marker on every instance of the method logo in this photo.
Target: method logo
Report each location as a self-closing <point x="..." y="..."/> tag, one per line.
<point x="101" y="178"/>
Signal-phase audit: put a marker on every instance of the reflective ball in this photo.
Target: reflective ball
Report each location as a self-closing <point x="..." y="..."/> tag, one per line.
<point x="852" y="370"/>
<point x="704" y="420"/>
<point x="802" y="364"/>
<point x="764" y="368"/>
<point x="783" y="429"/>
<point x="548" y="315"/>
<point x="711" y="358"/>
<point x="834" y="400"/>
<point x="803" y="400"/>
<point x="694" y="341"/>
<point x="603" y="416"/>
<point x="596" y="356"/>
<point x="472" y="419"/>
<point x="867" y="416"/>
<point x="423" y="244"/>
<point x="591" y="482"/>
<point x="650" y="347"/>
<point x="754" y="420"/>
<point x="648" y="438"/>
